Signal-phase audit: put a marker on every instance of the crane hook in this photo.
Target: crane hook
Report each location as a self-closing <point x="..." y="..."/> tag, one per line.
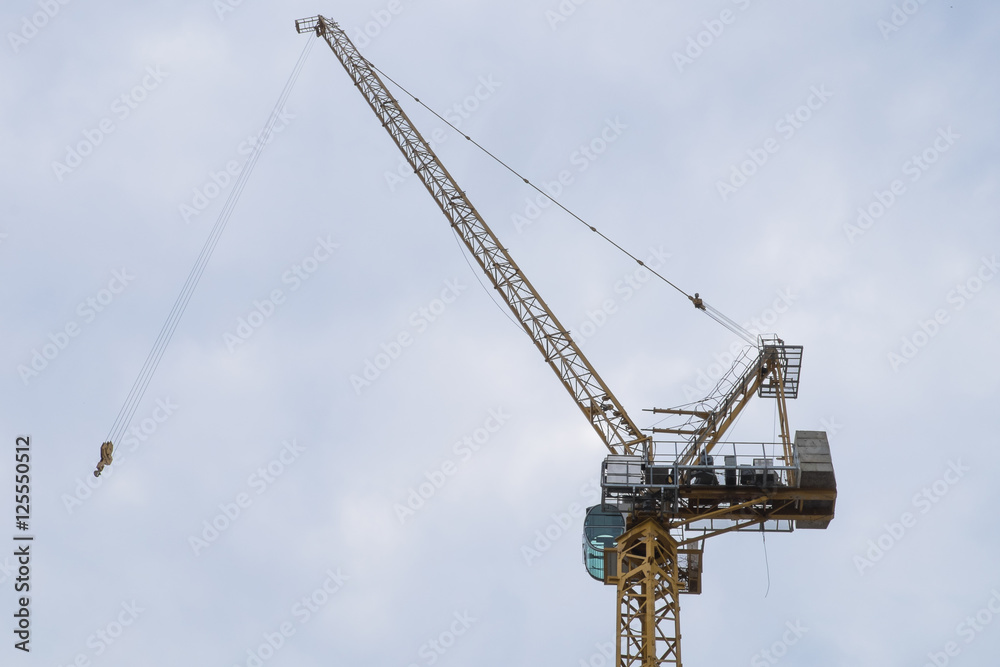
<point x="107" y="449"/>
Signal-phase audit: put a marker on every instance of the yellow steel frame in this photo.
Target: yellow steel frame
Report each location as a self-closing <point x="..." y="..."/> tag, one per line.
<point x="602" y="409"/>
<point x="645" y="563"/>
<point x="648" y="618"/>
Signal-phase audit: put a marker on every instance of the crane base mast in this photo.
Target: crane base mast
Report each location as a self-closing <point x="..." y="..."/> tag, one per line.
<point x="648" y="583"/>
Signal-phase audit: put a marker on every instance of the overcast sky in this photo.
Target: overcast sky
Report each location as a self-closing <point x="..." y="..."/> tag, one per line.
<point x="826" y="169"/>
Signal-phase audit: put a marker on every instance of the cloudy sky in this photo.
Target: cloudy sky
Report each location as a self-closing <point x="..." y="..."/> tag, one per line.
<point x="826" y="169"/>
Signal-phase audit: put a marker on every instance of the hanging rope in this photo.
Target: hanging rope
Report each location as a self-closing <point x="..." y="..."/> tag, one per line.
<point x="767" y="566"/>
<point x="135" y="394"/>
<point x="699" y="303"/>
<point x="490" y="293"/>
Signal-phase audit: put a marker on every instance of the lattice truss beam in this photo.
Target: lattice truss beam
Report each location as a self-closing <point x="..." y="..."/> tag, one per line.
<point x="594" y="398"/>
<point x="649" y="630"/>
<point x="707" y="427"/>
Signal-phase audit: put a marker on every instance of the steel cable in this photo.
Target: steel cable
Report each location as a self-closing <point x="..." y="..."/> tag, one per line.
<point x="149" y="367"/>
<point x="699" y="303"/>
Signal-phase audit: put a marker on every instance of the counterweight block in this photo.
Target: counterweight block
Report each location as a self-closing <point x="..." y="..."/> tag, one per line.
<point x="816" y="472"/>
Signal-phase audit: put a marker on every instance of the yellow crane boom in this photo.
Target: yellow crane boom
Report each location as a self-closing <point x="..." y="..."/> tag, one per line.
<point x="591" y="394"/>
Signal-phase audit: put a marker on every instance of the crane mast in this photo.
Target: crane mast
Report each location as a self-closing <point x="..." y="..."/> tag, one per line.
<point x="662" y="499"/>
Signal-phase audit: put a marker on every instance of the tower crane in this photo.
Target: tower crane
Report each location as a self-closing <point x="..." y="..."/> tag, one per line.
<point x="660" y="498"/>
